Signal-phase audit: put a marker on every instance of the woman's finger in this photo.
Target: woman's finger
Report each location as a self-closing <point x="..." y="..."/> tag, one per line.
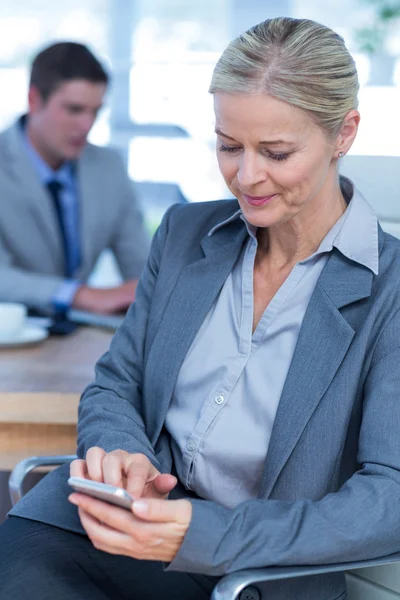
<point x="164" y="483"/>
<point x="140" y="472"/>
<point x="163" y="511"/>
<point x="78" y="468"/>
<point x="94" y="460"/>
<point x="114" y="469"/>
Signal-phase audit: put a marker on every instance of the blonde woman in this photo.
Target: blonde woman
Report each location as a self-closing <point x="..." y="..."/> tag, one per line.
<point x="255" y="380"/>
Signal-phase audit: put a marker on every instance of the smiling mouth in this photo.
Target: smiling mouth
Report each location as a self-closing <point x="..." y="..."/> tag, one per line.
<point x="258" y="200"/>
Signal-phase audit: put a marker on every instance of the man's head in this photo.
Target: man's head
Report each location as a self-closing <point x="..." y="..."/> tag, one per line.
<point x="66" y="90"/>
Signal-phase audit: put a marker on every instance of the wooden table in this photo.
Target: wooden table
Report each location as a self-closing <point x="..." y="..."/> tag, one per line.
<point x="40" y="387"/>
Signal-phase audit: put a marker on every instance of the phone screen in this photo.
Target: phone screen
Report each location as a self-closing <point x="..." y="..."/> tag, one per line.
<point x="102" y="491"/>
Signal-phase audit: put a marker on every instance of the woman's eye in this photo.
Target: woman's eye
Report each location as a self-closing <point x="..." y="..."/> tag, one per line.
<point x="229" y="149"/>
<point x="233" y="149"/>
<point x="278" y="156"/>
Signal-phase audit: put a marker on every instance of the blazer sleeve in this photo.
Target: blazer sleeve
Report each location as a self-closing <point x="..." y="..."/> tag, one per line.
<point x="110" y="410"/>
<point x="33" y="289"/>
<point x="131" y="242"/>
<point x="360" y="521"/>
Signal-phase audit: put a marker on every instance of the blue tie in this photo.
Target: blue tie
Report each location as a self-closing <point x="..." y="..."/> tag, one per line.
<point x="55" y="188"/>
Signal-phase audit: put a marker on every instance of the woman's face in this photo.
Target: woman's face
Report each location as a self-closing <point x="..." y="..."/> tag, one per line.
<point x="275" y="160"/>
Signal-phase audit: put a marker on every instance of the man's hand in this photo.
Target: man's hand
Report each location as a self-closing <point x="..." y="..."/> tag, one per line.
<point x="133" y="472"/>
<point x="105" y="300"/>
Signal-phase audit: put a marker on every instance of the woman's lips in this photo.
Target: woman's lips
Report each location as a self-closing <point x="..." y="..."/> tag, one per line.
<point x="258" y="200"/>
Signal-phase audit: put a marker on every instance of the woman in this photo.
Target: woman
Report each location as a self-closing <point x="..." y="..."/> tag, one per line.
<point x="254" y="379"/>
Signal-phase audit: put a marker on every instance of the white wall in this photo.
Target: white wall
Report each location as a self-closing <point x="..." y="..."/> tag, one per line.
<point x="378" y="178"/>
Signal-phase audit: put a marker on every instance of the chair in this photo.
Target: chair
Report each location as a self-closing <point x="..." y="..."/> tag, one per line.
<point x="241" y="585"/>
<point x="21" y="470"/>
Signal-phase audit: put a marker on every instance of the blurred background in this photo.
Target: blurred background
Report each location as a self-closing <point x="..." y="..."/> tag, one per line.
<point x="161" y="54"/>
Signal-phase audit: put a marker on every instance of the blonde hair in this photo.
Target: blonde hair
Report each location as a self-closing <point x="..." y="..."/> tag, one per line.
<point x="298" y="61"/>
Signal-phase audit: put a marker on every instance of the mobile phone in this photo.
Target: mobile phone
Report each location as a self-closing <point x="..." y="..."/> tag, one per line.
<point x="102" y="491"/>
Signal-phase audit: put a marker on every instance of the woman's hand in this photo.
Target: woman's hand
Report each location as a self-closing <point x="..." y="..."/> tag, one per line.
<point x="133" y="472"/>
<point x="152" y="530"/>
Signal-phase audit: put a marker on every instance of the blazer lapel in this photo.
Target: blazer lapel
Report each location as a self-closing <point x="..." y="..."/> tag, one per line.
<point x="324" y="339"/>
<point x="193" y="295"/>
<point x="31" y="188"/>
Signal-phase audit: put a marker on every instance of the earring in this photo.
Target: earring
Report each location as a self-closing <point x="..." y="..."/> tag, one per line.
<point x="341" y="154"/>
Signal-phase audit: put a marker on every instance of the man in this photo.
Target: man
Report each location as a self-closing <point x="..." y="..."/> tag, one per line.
<point x="63" y="200"/>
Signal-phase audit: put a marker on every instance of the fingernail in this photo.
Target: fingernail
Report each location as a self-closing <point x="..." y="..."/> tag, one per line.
<point x="73" y="501"/>
<point x="141" y="506"/>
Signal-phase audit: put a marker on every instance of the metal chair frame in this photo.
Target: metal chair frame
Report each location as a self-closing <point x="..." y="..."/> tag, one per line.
<point x="21" y="470"/>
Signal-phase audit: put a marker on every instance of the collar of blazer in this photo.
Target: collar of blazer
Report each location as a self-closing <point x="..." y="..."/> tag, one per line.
<point x="324" y="332"/>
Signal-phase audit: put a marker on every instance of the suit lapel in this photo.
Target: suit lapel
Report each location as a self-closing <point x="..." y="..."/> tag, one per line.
<point x="193" y="295"/>
<point x="31" y="189"/>
<point x="324" y="339"/>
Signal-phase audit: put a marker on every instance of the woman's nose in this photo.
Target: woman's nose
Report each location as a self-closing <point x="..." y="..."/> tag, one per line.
<point x="251" y="171"/>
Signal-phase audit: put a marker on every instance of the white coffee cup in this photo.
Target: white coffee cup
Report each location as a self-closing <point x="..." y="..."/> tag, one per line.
<point x="12" y="319"/>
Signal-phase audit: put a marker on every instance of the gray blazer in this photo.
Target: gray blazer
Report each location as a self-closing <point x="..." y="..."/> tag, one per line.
<point x="331" y="484"/>
<point x="31" y="251"/>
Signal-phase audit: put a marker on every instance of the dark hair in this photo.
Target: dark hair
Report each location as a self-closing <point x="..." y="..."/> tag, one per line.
<point x="63" y="62"/>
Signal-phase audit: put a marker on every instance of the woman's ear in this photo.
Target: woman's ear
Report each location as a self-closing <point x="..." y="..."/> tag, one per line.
<point x="347" y="133"/>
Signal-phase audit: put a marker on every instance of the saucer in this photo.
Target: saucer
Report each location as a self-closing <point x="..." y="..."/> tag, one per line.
<point x="28" y="335"/>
